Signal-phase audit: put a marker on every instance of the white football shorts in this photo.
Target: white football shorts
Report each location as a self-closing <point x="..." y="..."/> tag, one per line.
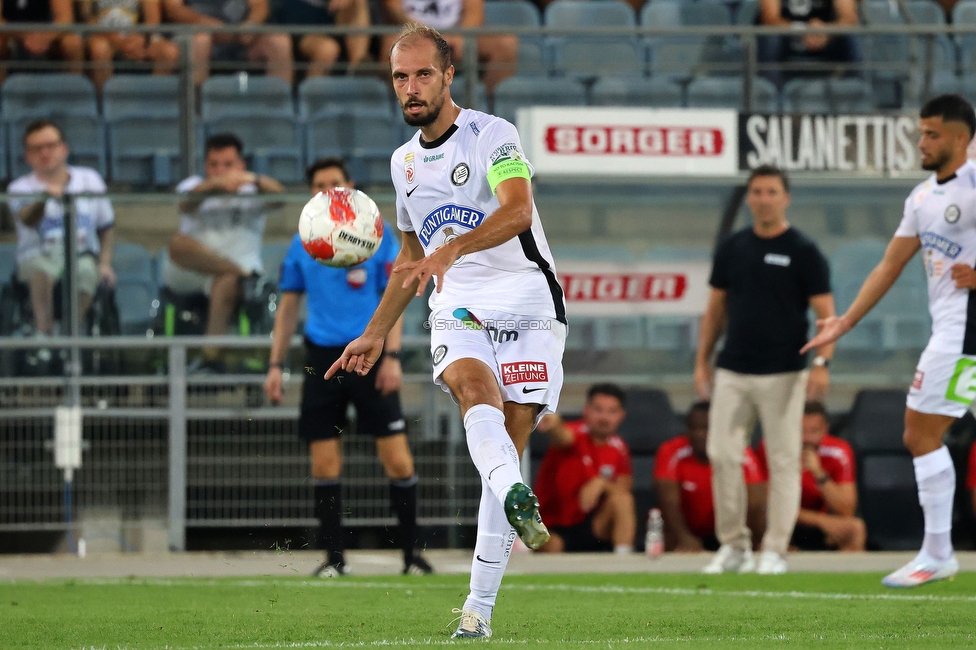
<point x="524" y="352"/>
<point x="944" y="383"/>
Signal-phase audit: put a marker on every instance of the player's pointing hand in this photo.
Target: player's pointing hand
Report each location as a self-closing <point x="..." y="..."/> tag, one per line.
<point x="435" y="264"/>
<point x="831" y="329"/>
<point x="358" y="357"/>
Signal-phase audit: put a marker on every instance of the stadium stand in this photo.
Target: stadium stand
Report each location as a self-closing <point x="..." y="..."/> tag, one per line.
<point x="517" y="91"/>
<point x="727" y="92"/>
<point x="261" y="112"/>
<point x="532" y="57"/>
<point x="627" y="91"/>
<point x="589" y="57"/>
<point x="351" y="117"/>
<point x="885" y="474"/>
<point x="142" y="120"/>
<point x="68" y="100"/>
<point x="836" y="96"/>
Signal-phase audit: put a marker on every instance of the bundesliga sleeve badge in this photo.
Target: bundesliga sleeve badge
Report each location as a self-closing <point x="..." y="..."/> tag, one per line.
<point x="409" y="170"/>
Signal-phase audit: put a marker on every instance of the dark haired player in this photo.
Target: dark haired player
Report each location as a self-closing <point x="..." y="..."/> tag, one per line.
<point x="375" y="396"/>
<point x="939" y="219"/>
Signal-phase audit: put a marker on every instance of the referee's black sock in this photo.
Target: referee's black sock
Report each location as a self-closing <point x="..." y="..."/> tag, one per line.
<point x="328" y="510"/>
<point x="403" y="498"/>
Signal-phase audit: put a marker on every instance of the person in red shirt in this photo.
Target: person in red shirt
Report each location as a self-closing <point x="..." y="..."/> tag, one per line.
<point x="828" y="498"/>
<point x="585" y="481"/>
<point x="683" y="484"/>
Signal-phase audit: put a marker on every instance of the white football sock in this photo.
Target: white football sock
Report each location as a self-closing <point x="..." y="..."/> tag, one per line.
<point x="623" y="549"/>
<point x="492" y="449"/>
<point x="491" y="552"/>
<point x="936" y="479"/>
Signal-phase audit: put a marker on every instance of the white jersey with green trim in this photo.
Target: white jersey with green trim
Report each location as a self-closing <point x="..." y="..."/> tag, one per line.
<point x="943" y="217"/>
<point x="443" y="191"/>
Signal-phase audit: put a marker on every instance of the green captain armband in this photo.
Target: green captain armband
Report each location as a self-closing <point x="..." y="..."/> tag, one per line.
<point x="505" y="169"/>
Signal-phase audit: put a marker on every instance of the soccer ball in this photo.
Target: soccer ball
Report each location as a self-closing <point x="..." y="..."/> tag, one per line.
<point x="341" y="227"/>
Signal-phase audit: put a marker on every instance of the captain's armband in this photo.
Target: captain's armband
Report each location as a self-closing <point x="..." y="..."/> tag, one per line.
<point x="505" y="169"/>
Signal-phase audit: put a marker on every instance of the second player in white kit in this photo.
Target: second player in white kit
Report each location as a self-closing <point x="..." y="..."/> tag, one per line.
<point x="939" y="220"/>
<point x="498" y="322"/>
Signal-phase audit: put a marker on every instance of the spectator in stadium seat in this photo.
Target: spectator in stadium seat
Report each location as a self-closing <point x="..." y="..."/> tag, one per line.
<point x="497" y="52"/>
<point x="321" y="50"/>
<point x="222" y="219"/>
<point x="41" y="45"/>
<point x="103" y="49"/>
<point x="636" y="4"/>
<point x="828" y="497"/>
<point x="272" y="49"/>
<point x="819" y="48"/>
<point x="764" y="280"/>
<point x="683" y="485"/>
<point x="585" y="481"/>
<point x="40" y="225"/>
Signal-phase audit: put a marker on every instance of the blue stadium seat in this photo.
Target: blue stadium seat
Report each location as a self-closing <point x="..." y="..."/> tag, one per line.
<point x="516" y="92"/>
<point x="682" y="57"/>
<point x="66" y="99"/>
<point x="521" y="13"/>
<point x="964" y="14"/>
<point x="351" y="117"/>
<point x="142" y="120"/>
<point x="837" y="96"/>
<point x="591" y="252"/>
<point x="261" y="113"/>
<point x="8" y="261"/>
<point x="901" y="320"/>
<point x="459" y="93"/>
<point x="136" y="287"/>
<point x="272" y="256"/>
<point x="658" y="92"/>
<point x="590" y="57"/>
<point x="727" y="92"/>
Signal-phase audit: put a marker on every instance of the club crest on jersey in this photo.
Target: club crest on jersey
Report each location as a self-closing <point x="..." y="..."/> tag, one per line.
<point x="446" y="215"/>
<point x="409" y="170"/>
<point x="439" y="353"/>
<point x="460" y="174"/>
<point x="952" y="214"/>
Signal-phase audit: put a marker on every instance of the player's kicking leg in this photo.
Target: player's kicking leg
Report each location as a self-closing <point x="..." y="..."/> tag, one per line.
<point x="496" y="435"/>
<point x="936" y="478"/>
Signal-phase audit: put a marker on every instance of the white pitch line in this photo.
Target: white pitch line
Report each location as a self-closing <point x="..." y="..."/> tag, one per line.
<point x="608" y="589"/>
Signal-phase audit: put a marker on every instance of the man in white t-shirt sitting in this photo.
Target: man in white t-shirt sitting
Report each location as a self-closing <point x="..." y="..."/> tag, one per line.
<point x="219" y="241"/>
<point x="40" y="223"/>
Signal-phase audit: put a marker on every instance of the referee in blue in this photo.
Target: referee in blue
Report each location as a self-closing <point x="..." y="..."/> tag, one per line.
<point x="340" y="303"/>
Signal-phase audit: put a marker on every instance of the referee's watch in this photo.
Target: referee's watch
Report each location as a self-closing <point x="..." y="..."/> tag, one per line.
<point x="821" y="361"/>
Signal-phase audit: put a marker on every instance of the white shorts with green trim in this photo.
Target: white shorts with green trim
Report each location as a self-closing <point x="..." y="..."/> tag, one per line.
<point x="944" y="383"/>
<point x="525" y="353"/>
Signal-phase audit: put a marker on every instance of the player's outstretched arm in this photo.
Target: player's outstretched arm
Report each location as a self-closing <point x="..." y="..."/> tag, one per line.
<point x="899" y="251"/>
<point x="513" y="217"/>
<point x="360" y="355"/>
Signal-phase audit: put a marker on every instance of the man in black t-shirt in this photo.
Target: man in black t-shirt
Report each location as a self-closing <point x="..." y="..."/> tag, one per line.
<point x="41" y="45"/>
<point x="806" y="46"/>
<point x="764" y="279"/>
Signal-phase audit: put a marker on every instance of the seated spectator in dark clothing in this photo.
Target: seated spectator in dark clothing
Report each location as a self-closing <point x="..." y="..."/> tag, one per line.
<point x="41" y="45"/>
<point x="103" y="49"/>
<point x="274" y="50"/>
<point x="829" y="495"/>
<point x="322" y="51"/>
<point x="805" y="46"/>
<point x="683" y="484"/>
<point x="585" y="481"/>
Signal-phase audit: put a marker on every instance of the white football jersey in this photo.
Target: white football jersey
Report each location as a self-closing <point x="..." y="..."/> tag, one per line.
<point x="943" y="217"/>
<point x="442" y="192"/>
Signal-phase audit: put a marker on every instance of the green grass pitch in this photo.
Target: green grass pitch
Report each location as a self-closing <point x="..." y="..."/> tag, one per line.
<point x="538" y="611"/>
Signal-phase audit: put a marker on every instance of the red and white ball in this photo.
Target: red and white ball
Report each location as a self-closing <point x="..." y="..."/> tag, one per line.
<point x="341" y="227"/>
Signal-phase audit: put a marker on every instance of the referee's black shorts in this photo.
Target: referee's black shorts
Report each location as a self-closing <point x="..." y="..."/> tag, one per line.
<point x="324" y="403"/>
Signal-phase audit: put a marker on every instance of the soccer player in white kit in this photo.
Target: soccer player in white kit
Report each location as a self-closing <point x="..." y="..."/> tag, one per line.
<point x="940" y="219"/>
<point x="498" y="320"/>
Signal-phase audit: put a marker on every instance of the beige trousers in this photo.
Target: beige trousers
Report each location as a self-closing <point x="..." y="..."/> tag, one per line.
<point x="738" y="399"/>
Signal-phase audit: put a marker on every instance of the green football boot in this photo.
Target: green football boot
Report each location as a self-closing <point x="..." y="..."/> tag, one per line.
<point x="522" y="510"/>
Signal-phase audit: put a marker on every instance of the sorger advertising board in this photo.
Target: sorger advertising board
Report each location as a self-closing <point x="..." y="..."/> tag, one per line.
<point x="621" y="142"/>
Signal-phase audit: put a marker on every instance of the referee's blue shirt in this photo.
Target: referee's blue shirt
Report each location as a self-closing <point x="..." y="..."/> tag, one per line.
<point x="340" y="301"/>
